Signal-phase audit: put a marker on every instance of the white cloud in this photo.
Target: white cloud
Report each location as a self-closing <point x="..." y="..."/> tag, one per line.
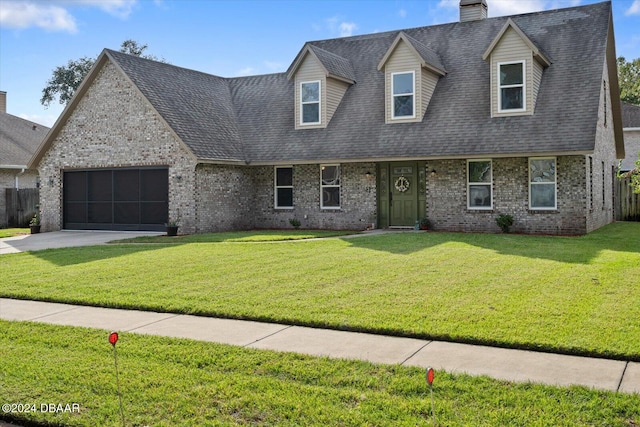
<point x="402" y="13"/>
<point x="119" y="8"/>
<point x="634" y="9"/>
<point x="246" y="71"/>
<point x="338" y="26"/>
<point x="515" y="7"/>
<point x="56" y="15"/>
<point x="347" y="28"/>
<point x="27" y="14"/>
<point x="510" y="7"/>
<point x="48" y="120"/>
<point x="274" y="66"/>
<point x="449" y="4"/>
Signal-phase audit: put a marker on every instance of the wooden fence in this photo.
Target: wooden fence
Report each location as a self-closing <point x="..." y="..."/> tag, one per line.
<point x="20" y="206"/>
<point x="628" y="201"/>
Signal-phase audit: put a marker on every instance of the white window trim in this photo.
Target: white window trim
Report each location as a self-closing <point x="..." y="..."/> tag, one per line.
<point x="319" y="102"/>
<point x="413" y="94"/>
<point x="555" y="184"/>
<point x="276" y="186"/>
<point x="323" y="186"/>
<point x="524" y="87"/>
<point x="490" y="184"/>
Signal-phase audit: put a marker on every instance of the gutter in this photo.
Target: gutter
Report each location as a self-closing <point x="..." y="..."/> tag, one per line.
<point x="13" y="167"/>
<point x="21" y="168"/>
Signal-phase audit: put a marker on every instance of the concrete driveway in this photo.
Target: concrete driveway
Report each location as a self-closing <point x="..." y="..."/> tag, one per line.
<point x="65" y="239"/>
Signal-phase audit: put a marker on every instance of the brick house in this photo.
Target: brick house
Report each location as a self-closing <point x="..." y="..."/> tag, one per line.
<point x="631" y="130"/>
<point x="19" y="140"/>
<point x="457" y="122"/>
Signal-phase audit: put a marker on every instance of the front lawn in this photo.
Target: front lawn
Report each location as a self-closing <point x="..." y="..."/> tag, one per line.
<point x="176" y="382"/>
<point x="10" y="232"/>
<point x="577" y="295"/>
<point x="240" y="236"/>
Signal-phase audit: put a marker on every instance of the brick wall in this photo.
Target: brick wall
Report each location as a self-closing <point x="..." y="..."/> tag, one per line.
<point x="113" y="126"/>
<point x="601" y="177"/>
<point x="224" y="199"/>
<point x="357" y="198"/>
<point x="447" y="198"/>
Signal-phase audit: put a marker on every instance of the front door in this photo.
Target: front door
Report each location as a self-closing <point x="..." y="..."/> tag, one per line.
<point x="403" y="186"/>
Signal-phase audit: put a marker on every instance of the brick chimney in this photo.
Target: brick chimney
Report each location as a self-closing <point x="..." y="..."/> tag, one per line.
<point x="473" y="10"/>
<point x="3" y="102"/>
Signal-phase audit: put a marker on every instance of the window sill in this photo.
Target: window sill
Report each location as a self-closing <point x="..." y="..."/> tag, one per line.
<point x="481" y="211"/>
<point x="543" y="211"/>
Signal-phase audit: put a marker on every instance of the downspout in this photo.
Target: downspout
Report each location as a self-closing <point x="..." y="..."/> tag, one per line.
<point x="17" y="179"/>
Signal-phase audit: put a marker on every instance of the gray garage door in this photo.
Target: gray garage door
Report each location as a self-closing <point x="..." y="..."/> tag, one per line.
<point x="116" y="199"/>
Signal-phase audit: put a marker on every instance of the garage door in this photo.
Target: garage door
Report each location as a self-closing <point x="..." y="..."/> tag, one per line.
<point x="116" y="199"/>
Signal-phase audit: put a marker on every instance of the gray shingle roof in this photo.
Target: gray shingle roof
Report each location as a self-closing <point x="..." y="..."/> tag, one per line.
<point x="630" y="115"/>
<point x="197" y="106"/>
<point x="631" y="120"/>
<point x="252" y="118"/>
<point x="19" y="139"/>
<point x="334" y="64"/>
<point x="428" y="55"/>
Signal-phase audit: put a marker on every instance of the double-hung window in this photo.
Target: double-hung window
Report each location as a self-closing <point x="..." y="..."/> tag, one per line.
<point x="403" y="99"/>
<point x="511" y="86"/>
<point x="310" y="103"/>
<point x="542" y="183"/>
<point x="479" y="184"/>
<point x="283" y="181"/>
<point x="330" y="186"/>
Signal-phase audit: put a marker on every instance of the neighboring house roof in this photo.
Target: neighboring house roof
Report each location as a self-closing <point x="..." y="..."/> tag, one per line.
<point x="19" y="139"/>
<point x="630" y="115"/>
<point x="631" y="125"/>
<point x="251" y="119"/>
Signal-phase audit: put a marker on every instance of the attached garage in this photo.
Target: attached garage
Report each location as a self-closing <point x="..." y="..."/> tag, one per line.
<point x="116" y="199"/>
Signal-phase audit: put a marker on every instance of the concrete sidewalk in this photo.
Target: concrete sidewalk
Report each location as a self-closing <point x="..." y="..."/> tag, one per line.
<point x="65" y="239"/>
<point x="503" y="364"/>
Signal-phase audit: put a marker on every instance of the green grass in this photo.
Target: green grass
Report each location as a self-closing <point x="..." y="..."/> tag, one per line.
<point x="174" y="382"/>
<point x="10" y="232"/>
<point x="577" y="295"/>
<point x="259" y="236"/>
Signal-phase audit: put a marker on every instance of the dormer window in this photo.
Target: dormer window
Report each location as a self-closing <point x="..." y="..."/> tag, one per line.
<point x="403" y="89"/>
<point x="511" y="88"/>
<point x="517" y="66"/>
<point x="310" y="103"/>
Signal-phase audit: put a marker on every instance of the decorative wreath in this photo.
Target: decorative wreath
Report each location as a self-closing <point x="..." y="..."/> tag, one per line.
<point x="402" y="184"/>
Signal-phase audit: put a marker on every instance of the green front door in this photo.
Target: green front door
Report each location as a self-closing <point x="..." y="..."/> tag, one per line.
<point x="403" y="186"/>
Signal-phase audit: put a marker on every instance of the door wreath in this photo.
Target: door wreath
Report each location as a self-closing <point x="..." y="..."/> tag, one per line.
<point x="402" y="184"/>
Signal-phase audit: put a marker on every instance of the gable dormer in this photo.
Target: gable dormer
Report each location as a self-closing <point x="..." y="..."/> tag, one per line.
<point x="411" y="72"/>
<point x="321" y="79"/>
<point x="516" y="72"/>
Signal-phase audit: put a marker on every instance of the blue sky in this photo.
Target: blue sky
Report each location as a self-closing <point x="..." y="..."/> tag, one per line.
<point x="226" y="38"/>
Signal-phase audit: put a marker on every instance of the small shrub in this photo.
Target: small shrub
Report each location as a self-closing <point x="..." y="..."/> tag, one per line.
<point x="504" y="221"/>
<point x="425" y="223"/>
<point x="294" y="223"/>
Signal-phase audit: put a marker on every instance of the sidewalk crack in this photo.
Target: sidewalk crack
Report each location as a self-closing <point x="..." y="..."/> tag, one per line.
<point x="415" y="352"/>
<point x="267" y="336"/>
<point x="155" y="321"/>
<point x="624" y="371"/>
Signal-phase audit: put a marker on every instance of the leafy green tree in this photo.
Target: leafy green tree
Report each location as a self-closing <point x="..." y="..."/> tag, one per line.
<point x="629" y="78"/>
<point x="635" y="176"/>
<point x="66" y="79"/>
